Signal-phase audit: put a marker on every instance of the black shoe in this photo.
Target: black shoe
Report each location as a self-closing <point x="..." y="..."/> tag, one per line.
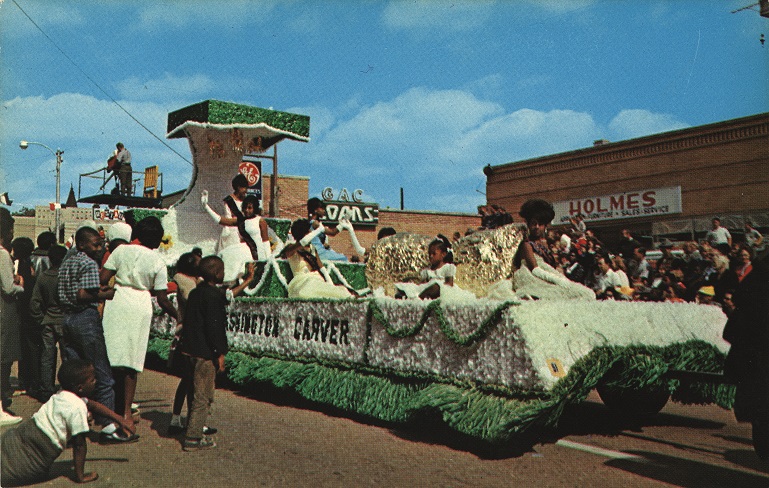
<point x="175" y="429"/>
<point x="198" y="444"/>
<point x="209" y="430"/>
<point x="115" y="438"/>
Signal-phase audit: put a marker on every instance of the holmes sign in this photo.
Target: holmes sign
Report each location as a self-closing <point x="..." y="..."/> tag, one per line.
<point x="628" y="205"/>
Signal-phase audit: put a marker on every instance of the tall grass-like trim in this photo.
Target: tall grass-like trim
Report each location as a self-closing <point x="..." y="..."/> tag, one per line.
<point x="487" y="416"/>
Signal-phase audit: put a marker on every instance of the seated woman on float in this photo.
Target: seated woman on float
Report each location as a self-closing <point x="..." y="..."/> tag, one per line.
<point x="311" y="279"/>
<point x="535" y="276"/>
<point x="254" y="237"/>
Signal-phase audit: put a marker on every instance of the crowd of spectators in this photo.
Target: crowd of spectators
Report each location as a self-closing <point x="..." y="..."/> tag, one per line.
<point x="703" y="272"/>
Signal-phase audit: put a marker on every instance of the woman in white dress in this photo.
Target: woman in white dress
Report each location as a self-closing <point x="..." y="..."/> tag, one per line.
<point x="254" y="237"/>
<point x="310" y="278"/>
<point x="536" y="276"/>
<point x="139" y="274"/>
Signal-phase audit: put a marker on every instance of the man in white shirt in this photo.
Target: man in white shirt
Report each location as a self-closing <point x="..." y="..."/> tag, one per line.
<point x="608" y="278"/>
<point x="643" y="268"/>
<point x="719" y="237"/>
<point x="753" y="238"/>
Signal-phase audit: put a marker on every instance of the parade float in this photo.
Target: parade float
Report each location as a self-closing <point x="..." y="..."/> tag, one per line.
<point x="490" y="369"/>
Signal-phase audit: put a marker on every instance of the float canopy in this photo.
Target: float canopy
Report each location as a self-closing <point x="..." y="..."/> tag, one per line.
<point x="271" y="126"/>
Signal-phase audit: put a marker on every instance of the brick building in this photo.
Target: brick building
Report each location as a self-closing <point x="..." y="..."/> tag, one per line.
<point x="669" y="184"/>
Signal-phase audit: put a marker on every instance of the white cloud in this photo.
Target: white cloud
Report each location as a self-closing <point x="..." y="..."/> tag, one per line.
<point x="435" y="144"/>
<point x="86" y="129"/>
<point x="437" y="15"/>
<point x="15" y="22"/>
<point x="629" y="124"/>
<point x="432" y="143"/>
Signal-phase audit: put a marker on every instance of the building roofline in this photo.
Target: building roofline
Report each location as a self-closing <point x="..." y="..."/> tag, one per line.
<point x="671" y="140"/>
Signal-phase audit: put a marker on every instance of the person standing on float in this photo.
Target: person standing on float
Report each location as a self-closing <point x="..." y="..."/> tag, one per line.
<point x="125" y="171"/>
<point x="233" y="208"/>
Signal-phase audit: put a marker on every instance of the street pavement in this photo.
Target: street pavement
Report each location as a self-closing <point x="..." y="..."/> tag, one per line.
<point x="270" y="439"/>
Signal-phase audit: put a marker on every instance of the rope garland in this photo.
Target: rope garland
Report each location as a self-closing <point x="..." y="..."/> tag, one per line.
<point x="434" y="309"/>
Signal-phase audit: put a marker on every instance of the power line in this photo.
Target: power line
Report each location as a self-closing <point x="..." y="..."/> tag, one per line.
<point x="99" y="86"/>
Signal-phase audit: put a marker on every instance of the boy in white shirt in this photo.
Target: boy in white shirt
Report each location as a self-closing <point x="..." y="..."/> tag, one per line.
<point x="29" y="450"/>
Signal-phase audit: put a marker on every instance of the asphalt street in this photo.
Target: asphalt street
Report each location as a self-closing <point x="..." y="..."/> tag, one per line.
<point x="271" y="439"/>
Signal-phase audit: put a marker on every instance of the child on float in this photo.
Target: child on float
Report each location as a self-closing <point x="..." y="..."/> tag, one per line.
<point x="438" y="278"/>
<point x="254" y="237"/>
<point x="310" y="278"/>
<point x="29" y="450"/>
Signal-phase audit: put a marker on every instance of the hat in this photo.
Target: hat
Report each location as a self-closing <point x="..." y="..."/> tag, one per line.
<point x="707" y="290"/>
<point x="626" y="290"/>
<point x="88" y="223"/>
<point x="119" y="230"/>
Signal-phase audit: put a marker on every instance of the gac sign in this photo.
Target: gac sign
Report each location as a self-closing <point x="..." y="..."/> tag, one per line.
<point x="350" y="206"/>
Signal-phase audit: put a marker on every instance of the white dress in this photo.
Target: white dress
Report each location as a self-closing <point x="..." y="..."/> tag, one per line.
<point x="237" y="253"/>
<point x="307" y="283"/>
<point x="438" y="276"/>
<point x="230" y="235"/>
<point x="543" y="282"/>
<point x="128" y="315"/>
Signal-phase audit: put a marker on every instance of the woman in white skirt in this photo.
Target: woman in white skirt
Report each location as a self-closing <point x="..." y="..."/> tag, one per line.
<point x="139" y="274"/>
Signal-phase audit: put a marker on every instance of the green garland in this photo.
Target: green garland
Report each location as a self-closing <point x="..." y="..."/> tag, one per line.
<point x="484" y="415"/>
<point x="134" y="215"/>
<point x="434" y="309"/>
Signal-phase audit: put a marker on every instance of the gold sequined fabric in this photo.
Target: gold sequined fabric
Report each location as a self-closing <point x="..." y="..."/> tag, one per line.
<point x="482" y="258"/>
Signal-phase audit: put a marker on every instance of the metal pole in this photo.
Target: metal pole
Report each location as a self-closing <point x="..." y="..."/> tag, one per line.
<point x="57" y="207"/>
<point x="274" y="207"/>
<point x="56" y="210"/>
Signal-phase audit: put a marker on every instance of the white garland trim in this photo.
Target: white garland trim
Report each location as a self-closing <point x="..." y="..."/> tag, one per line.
<point x="270" y="263"/>
<point x="342" y="280"/>
<point x="222" y="127"/>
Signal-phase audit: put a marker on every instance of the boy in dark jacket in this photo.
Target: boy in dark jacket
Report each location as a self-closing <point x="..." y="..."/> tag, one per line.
<point x="204" y="344"/>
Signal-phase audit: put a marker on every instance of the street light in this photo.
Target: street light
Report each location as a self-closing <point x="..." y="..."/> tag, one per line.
<point x="57" y="206"/>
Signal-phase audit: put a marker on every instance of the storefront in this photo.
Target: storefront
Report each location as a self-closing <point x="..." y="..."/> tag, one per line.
<point x="665" y="185"/>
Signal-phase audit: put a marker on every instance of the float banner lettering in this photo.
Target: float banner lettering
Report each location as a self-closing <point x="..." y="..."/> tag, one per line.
<point x="334" y="331"/>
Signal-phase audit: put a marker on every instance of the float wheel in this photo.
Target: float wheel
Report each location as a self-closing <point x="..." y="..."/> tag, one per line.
<point x="631" y="403"/>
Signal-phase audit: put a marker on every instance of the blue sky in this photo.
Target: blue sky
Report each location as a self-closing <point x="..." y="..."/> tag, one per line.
<point x="417" y="94"/>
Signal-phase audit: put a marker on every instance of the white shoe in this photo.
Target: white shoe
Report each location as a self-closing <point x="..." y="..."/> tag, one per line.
<point x="8" y="419"/>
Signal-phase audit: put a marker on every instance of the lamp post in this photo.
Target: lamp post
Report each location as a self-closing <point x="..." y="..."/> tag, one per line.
<point x="57" y="206"/>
